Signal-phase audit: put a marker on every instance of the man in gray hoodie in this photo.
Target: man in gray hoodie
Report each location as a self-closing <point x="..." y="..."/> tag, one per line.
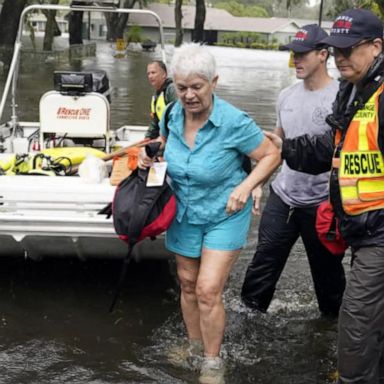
<point x="294" y="197"/>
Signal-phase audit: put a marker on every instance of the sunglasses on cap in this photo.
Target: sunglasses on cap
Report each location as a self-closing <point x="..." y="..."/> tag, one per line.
<point x="347" y="52"/>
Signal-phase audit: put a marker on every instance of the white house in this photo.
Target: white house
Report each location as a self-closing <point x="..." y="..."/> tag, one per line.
<point x="218" y="23"/>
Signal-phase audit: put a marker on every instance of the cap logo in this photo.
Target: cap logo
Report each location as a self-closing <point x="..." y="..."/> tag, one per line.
<point x="301" y="35"/>
<point x="342" y="25"/>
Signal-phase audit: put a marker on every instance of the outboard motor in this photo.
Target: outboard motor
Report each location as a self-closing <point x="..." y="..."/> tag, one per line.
<point x="79" y="83"/>
<point x="95" y="3"/>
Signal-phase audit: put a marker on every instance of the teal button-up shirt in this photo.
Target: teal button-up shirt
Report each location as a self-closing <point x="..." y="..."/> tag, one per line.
<point x="203" y="177"/>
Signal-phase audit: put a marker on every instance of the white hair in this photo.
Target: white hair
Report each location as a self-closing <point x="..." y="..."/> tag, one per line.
<point x="193" y="59"/>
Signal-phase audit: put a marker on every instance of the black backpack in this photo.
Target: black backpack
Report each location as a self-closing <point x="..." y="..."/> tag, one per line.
<point x="141" y="212"/>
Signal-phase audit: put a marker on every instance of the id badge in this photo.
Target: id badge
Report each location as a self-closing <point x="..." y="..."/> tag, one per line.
<point x="156" y="174"/>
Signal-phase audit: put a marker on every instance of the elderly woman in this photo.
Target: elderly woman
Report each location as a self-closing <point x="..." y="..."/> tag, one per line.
<point x="206" y="141"/>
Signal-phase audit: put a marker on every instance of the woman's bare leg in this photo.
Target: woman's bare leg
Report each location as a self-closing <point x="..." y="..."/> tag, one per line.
<point x="214" y="270"/>
<point x="187" y="271"/>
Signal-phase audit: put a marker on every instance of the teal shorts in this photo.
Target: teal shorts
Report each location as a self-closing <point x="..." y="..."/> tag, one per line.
<point x="230" y="234"/>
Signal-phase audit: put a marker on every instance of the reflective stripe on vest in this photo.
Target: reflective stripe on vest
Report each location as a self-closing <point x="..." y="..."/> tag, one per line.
<point x="361" y="168"/>
<point x="158" y="105"/>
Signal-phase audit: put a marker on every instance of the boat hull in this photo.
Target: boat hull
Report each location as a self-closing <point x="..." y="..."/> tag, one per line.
<point x="43" y="216"/>
<point x="38" y="247"/>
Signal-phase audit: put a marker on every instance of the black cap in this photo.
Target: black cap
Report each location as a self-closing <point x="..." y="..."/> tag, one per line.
<point x="308" y="38"/>
<point x="353" y="26"/>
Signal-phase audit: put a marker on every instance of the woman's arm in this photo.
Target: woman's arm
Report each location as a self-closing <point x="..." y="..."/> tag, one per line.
<point x="257" y="192"/>
<point x="268" y="159"/>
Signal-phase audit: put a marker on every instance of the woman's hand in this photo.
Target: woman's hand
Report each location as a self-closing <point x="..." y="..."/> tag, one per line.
<point x="257" y="194"/>
<point x="144" y="161"/>
<point x="238" y="198"/>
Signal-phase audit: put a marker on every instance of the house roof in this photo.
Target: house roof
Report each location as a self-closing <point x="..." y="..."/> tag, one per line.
<point x="215" y="19"/>
<point x="326" y="25"/>
<point x="167" y="15"/>
<point x="257" y="24"/>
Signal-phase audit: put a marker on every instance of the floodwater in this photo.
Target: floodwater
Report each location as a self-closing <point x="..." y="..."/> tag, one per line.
<point x="54" y="322"/>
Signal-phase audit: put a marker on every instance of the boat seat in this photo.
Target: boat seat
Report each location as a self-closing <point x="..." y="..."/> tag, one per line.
<point x="79" y="107"/>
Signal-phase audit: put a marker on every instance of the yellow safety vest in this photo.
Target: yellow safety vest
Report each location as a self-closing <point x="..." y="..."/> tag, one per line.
<point x="361" y="163"/>
<point x="158" y="105"/>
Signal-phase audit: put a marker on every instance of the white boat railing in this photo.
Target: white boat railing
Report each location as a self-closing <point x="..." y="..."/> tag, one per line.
<point x="14" y="66"/>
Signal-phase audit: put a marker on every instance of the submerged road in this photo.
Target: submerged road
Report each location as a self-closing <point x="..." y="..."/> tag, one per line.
<point x="54" y="322"/>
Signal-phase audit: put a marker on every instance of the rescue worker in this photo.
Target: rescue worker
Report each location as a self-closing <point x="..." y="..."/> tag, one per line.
<point x="354" y="152"/>
<point x="294" y="197"/>
<point x="164" y="94"/>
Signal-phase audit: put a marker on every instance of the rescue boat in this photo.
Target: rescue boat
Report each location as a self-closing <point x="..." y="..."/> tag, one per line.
<point x="46" y="208"/>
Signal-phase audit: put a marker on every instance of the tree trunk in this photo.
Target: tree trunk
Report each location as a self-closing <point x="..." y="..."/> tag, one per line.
<point x="178" y="23"/>
<point x="51" y="28"/>
<point x="116" y="23"/>
<point x="198" y="33"/>
<point x="49" y="31"/>
<point x="380" y="4"/>
<point x="75" y="26"/>
<point x="9" y="21"/>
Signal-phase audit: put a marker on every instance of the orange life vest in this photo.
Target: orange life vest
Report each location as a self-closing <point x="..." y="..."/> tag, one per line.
<point x="361" y="163"/>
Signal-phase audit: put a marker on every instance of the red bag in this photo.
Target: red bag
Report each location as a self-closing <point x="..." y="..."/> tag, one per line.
<point x="327" y="227"/>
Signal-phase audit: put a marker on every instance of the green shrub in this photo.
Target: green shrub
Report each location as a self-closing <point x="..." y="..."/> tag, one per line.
<point x="133" y="35"/>
<point x="273" y="46"/>
<point x="258" y="45"/>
